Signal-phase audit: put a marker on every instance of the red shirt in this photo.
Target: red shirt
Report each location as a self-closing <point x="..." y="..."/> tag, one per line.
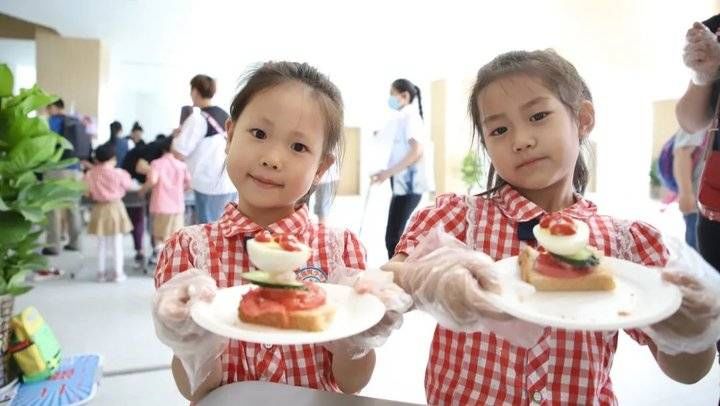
<point x="564" y="367"/>
<point x="219" y="247"/>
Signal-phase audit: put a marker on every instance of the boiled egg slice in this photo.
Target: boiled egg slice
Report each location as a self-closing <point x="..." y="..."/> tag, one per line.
<point x="272" y="258"/>
<point x="563" y="244"/>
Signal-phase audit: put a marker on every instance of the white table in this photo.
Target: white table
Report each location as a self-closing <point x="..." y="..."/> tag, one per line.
<point x="268" y="394"/>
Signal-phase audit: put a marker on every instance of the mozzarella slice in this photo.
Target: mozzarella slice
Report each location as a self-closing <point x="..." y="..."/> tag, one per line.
<point x="563" y="244"/>
<point x="271" y="258"/>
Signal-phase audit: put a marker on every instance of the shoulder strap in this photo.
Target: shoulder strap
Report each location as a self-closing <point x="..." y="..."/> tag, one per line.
<point x="213" y="122"/>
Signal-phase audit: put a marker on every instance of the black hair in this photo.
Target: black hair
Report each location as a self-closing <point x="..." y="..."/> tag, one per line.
<point x="165" y="144"/>
<point x="105" y="152"/>
<point x="59" y="103"/>
<point x="271" y="74"/>
<point x="136" y="127"/>
<point x="115" y="130"/>
<point x="160" y="137"/>
<point x="404" y="85"/>
<point x="204" y="84"/>
<point x="557" y="74"/>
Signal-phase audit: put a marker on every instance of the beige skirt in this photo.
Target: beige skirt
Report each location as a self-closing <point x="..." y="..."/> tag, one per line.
<point x="109" y="218"/>
<point x="165" y="224"/>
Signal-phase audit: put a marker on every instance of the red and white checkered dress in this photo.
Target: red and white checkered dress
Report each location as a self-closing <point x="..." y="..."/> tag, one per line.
<point x="564" y="367"/>
<point x="220" y="248"/>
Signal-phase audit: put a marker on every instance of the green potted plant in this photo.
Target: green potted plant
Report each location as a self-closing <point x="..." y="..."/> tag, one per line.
<point x="472" y="170"/>
<point x="27" y="149"/>
<point x="655" y="183"/>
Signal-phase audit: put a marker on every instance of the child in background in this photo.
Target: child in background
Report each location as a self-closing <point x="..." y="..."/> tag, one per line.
<point x="169" y="178"/>
<point x="109" y="220"/>
<point x="284" y="132"/>
<point x="533" y="112"/>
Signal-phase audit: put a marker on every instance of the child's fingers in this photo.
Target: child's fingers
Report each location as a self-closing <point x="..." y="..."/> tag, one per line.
<point x="682" y="280"/>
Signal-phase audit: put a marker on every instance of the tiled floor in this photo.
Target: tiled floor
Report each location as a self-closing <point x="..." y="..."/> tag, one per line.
<point x="114" y="320"/>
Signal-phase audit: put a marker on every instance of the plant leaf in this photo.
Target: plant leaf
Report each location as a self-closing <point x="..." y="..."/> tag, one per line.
<point x="32" y="152"/>
<point x="14" y="227"/>
<point x="6" y="81"/>
<point x="3" y="205"/>
<point x="33" y="214"/>
<point x="18" y="290"/>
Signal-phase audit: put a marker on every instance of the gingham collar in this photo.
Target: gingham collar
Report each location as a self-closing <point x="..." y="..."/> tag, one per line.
<point x="233" y="222"/>
<point x="519" y="208"/>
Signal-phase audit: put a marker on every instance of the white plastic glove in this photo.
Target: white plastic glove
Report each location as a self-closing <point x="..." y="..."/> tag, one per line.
<point x="396" y="303"/>
<point x="452" y="282"/>
<point x="194" y="346"/>
<point x="695" y="327"/>
<point x="702" y="54"/>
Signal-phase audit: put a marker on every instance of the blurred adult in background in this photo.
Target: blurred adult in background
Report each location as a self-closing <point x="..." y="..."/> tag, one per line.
<point x="137" y="164"/>
<point x="201" y="143"/>
<point x="407" y="166"/>
<point x="73" y="130"/>
<point x="695" y="112"/>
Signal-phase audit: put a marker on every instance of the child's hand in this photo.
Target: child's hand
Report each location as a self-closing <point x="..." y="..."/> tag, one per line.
<point x="396" y="303"/>
<point x="695" y="327"/>
<point x="699" y="310"/>
<point x="456" y="280"/>
<point x="196" y="347"/>
<point x="702" y="54"/>
<point x="452" y="282"/>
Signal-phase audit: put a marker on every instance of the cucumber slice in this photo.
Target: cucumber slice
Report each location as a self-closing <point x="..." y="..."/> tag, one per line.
<point x="580" y="259"/>
<point x="265" y="280"/>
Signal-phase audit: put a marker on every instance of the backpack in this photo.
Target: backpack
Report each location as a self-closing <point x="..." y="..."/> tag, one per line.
<point x="665" y="163"/>
<point x="74" y="131"/>
<point x="34" y="346"/>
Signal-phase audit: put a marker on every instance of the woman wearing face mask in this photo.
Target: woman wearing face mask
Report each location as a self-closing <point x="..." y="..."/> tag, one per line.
<point x="408" y="167"/>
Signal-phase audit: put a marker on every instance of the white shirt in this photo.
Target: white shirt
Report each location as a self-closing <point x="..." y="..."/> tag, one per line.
<point x="205" y="156"/>
<point x="332" y="174"/>
<point x="404" y="126"/>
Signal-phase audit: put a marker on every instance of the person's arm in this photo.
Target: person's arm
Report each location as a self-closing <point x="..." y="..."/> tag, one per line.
<point x="683" y="171"/>
<point x="150" y="181"/>
<point x="191" y="133"/>
<point x="415" y="153"/>
<point x="693" y="110"/>
<point x="352" y="375"/>
<point x="684" y="368"/>
<point x="181" y="380"/>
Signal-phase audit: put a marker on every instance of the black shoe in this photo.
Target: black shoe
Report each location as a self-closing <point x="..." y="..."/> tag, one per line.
<point x="49" y="251"/>
<point x="70" y="247"/>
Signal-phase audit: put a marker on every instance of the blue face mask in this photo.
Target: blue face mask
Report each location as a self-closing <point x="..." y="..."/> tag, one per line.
<point x="394" y="103"/>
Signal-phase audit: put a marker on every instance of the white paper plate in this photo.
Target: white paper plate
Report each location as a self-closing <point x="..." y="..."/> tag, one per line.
<point x="640" y="298"/>
<point x="354" y="314"/>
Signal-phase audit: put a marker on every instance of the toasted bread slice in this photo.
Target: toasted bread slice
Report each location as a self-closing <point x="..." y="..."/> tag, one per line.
<point x="599" y="278"/>
<point x="308" y="320"/>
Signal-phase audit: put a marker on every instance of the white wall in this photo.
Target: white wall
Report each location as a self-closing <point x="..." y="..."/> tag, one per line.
<point x="628" y="51"/>
<point x="19" y="55"/>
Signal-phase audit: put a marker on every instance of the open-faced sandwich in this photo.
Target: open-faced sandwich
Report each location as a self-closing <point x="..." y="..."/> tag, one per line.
<point x="564" y="261"/>
<point x="280" y="300"/>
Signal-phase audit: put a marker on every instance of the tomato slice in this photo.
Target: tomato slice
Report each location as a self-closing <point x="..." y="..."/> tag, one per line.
<point x="547" y="265"/>
<point x="558" y="224"/>
<point x="289" y="242"/>
<point x="263" y="236"/>
<point x="295" y="299"/>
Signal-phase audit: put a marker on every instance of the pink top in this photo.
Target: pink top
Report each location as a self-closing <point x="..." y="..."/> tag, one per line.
<point x="107" y="183"/>
<point x="170" y="177"/>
